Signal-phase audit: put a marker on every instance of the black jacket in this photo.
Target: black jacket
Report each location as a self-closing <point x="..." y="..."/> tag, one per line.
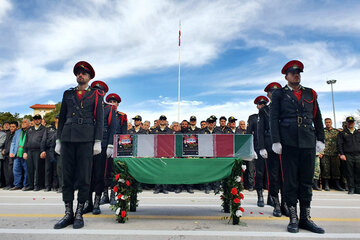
<point x="121" y="125"/>
<point x="216" y="130"/>
<point x="7" y="143"/>
<point x="141" y="131"/>
<point x="110" y="123"/>
<point x="81" y="120"/>
<point x="49" y="142"/>
<point x="252" y="128"/>
<point x="348" y="143"/>
<point x="158" y="130"/>
<point x="34" y="139"/>
<point x="263" y="128"/>
<point x="296" y="123"/>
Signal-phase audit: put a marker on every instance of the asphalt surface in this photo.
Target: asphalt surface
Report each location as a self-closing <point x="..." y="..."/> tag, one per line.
<point x="32" y="215"/>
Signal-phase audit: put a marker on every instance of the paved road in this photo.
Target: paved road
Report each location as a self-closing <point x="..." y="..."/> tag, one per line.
<point x="31" y="215"/>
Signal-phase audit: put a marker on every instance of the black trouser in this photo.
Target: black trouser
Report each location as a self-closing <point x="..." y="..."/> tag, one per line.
<point x="59" y="169"/>
<point x="36" y="169"/>
<point x="261" y="172"/>
<point x="298" y="166"/>
<point x="76" y="168"/>
<point x="8" y="171"/>
<point x="97" y="183"/>
<point x="275" y="172"/>
<point x="249" y="175"/>
<point x="353" y="171"/>
<point x="109" y="175"/>
<point x="2" y="178"/>
<point x="51" y="179"/>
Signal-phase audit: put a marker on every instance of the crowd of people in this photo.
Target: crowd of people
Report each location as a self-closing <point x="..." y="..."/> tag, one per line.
<point x="294" y="152"/>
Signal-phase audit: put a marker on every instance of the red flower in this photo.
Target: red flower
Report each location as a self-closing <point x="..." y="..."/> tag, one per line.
<point x="241" y="209"/>
<point x="236" y="200"/>
<point x="127" y="183"/>
<point x="119" y="196"/>
<point x="241" y="196"/>
<point x="116" y="189"/>
<point x="117" y="176"/>
<point x="123" y="214"/>
<point x="222" y="197"/>
<point x="234" y="191"/>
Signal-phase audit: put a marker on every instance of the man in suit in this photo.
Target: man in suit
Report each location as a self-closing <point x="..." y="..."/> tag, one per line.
<point x="79" y="136"/>
<point x="297" y="133"/>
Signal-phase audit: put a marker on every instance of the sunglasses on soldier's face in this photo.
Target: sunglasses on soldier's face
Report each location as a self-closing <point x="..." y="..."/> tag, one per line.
<point x="82" y="71"/>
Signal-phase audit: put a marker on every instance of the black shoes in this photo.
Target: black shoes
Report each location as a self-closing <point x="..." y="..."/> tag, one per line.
<point x="68" y="218"/>
<point x="270" y="200"/>
<point x="306" y="222"/>
<point x="325" y="184"/>
<point x="47" y="189"/>
<point x="105" y="198"/>
<point x="351" y="191"/>
<point x="28" y="189"/>
<point x="260" y="201"/>
<point x="293" y="226"/>
<point x="78" y="219"/>
<point x="277" y="208"/>
<point x="178" y="190"/>
<point x="96" y="210"/>
<point x="316" y="185"/>
<point x="284" y="208"/>
<point x="337" y="186"/>
<point x="112" y="198"/>
<point x="88" y="206"/>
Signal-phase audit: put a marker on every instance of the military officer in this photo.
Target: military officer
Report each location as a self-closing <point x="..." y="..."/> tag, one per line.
<point x="223" y="126"/>
<point x="211" y="127"/>
<point x="193" y="128"/>
<point x="99" y="161"/>
<point x="272" y="159"/>
<point x="137" y="129"/>
<point x="79" y="136"/>
<point x="120" y="128"/>
<point x="161" y="129"/>
<point x="233" y="129"/>
<point x="297" y="133"/>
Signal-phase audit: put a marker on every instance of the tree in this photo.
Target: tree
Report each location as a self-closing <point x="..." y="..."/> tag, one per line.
<point x="28" y="117"/>
<point x="50" y="116"/>
<point x="8" y="117"/>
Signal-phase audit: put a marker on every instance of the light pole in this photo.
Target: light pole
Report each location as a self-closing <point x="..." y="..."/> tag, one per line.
<point x="331" y="82"/>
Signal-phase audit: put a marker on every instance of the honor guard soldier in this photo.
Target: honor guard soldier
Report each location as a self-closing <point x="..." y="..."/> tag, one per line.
<point x="262" y="176"/>
<point x="193" y="128"/>
<point x="233" y="129"/>
<point x="297" y="133"/>
<point x="272" y="159"/>
<point x="120" y="122"/>
<point x="79" y="136"/>
<point x="99" y="161"/>
<point x="161" y="129"/>
<point x="137" y="129"/>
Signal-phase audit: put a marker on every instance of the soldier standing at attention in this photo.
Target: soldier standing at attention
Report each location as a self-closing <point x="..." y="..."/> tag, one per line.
<point x="193" y="128"/>
<point x="233" y="129"/>
<point x="79" y="136"/>
<point x="223" y="126"/>
<point x="297" y="133"/>
<point x="137" y="129"/>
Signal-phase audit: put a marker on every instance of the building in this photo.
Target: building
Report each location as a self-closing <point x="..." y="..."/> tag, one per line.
<point x="42" y="109"/>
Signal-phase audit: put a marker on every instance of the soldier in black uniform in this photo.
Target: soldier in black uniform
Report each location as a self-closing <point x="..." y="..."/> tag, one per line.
<point x="233" y="129"/>
<point x="273" y="159"/>
<point x="261" y="177"/>
<point x="193" y="128"/>
<point x="223" y="126"/>
<point x="137" y="129"/>
<point x="120" y="128"/>
<point x="297" y="132"/>
<point x="79" y="136"/>
<point x="97" y="182"/>
<point x="161" y="129"/>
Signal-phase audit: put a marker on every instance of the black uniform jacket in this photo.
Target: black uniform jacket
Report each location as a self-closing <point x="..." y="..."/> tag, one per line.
<point x="158" y="130"/>
<point x="252" y="128"/>
<point x="348" y="143"/>
<point x="34" y="138"/>
<point x="109" y="125"/>
<point x="263" y="128"/>
<point x="196" y="130"/>
<point x="141" y="131"/>
<point x="121" y="125"/>
<point x="81" y="120"/>
<point x="230" y="131"/>
<point x="296" y="123"/>
<point x="207" y="131"/>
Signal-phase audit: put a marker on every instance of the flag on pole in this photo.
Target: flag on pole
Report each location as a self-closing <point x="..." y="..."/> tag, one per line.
<point x="179" y="34"/>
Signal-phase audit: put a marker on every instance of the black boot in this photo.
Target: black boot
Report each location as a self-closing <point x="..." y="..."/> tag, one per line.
<point x="325" y="185"/>
<point x="112" y="198"/>
<point x="189" y="189"/>
<point x="337" y="186"/>
<point x="306" y="223"/>
<point x="68" y="218"/>
<point x="284" y="208"/>
<point x="260" y="201"/>
<point x="293" y="225"/>
<point x="96" y="210"/>
<point x="270" y="201"/>
<point x="88" y="206"/>
<point x="277" y="209"/>
<point x="316" y="185"/>
<point x="105" y="198"/>
<point x="78" y="220"/>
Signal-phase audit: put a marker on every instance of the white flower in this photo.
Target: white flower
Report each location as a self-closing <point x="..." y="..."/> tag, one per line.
<point x="118" y="211"/>
<point x="123" y="197"/>
<point x="237" y="179"/>
<point x="121" y="180"/>
<point x="243" y="167"/>
<point x="238" y="213"/>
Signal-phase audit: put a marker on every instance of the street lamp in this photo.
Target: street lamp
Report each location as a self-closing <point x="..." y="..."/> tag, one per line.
<point x="331" y="82"/>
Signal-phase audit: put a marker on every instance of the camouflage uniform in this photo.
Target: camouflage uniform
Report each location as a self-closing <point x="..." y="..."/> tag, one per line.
<point x="330" y="163"/>
<point x="317" y="167"/>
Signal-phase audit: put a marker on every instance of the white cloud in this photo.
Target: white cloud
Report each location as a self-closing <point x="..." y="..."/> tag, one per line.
<point x="5" y="7"/>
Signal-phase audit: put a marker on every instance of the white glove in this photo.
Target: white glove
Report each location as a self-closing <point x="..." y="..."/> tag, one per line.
<point x="277" y="148"/>
<point x="263" y="153"/>
<point x="110" y="151"/>
<point x="320" y="146"/>
<point x="97" y="147"/>
<point x="58" y="146"/>
<point x="255" y="156"/>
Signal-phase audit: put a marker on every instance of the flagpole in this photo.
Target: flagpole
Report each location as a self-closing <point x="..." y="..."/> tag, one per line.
<point x="179" y="73"/>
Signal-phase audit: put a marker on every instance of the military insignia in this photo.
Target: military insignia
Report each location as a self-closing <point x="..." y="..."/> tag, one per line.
<point x="295" y="66"/>
<point x="80" y="92"/>
<point x="275" y="86"/>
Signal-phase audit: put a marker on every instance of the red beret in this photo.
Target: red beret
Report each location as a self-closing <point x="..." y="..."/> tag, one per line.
<point x="260" y="99"/>
<point x="86" y="66"/>
<point x="101" y="85"/>
<point x="113" y="96"/>
<point x="294" y="65"/>
<point x="273" y="85"/>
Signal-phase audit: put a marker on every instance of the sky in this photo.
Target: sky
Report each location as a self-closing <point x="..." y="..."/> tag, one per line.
<point x="230" y="50"/>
